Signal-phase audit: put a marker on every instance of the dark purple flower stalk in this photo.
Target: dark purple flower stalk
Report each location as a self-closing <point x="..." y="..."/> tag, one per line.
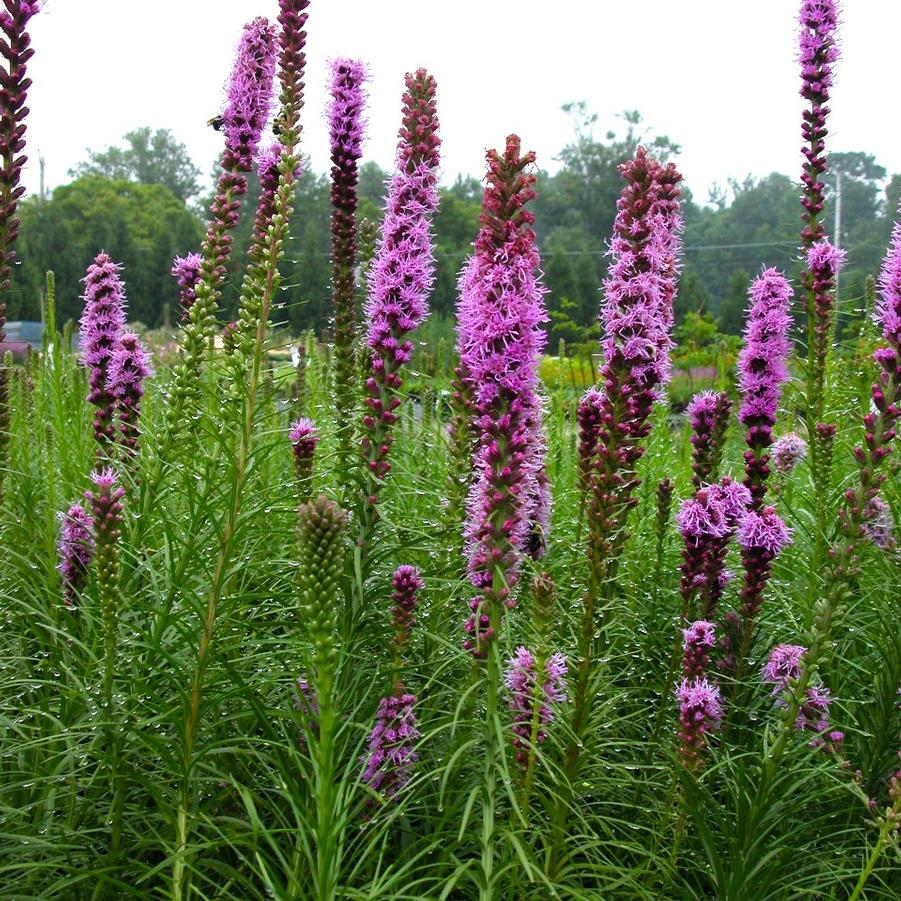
<point x="106" y="509"/>
<point x="128" y="369"/>
<point x="399" y="281"/>
<point x="500" y="342"/>
<point x="16" y="51"/>
<point x="102" y="325"/>
<point x="762" y="536"/>
<point x="700" y="712"/>
<point x="824" y="262"/>
<point x="664" y="508"/>
<point x="697" y="641"/>
<point x="636" y="316"/>
<point x="186" y="271"/>
<point x="707" y="523"/>
<point x="763" y="369"/>
<point x="817" y="53"/>
<point x="787" y="452"/>
<point x="589" y="416"/>
<point x="709" y="418"/>
<point x="406" y="583"/>
<point x="304" y="437"/>
<point x="539" y="501"/>
<point x="346" y="133"/>
<point x="76" y="550"/>
<point x="392" y="746"/>
<point x="530" y="699"/>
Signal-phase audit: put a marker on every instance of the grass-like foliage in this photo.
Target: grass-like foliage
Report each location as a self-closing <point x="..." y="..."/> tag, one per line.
<point x="387" y="626"/>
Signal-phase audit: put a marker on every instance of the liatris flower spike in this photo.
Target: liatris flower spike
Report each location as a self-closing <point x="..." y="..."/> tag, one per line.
<point x="698" y="639"/>
<point x="127" y="372"/>
<point x="392" y="746"/>
<point x="700" y="711"/>
<point x="16" y="51"/>
<point x="76" y="550"/>
<point x="527" y="696"/>
<point x="400" y="279"/>
<point x="407" y="583"/>
<point x="787" y="452"/>
<point x="879" y="524"/>
<point x="500" y="343"/>
<point x="589" y="415"/>
<point x="304" y="438"/>
<point x="102" y="325"/>
<point x="346" y="131"/>
<point x="708" y="414"/>
<point x="783" y="666"/>
<point x="763" y="370"/>
<point x="186" y="271"/>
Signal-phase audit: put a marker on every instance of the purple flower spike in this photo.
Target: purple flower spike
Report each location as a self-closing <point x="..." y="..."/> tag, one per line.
<point x="589" y="416"/>
<point x="186" y="271"/>
<point x="128" y="369"/>
<point x="76" y="550"/>
<point x="764" y="531"/>
<point x="698" y="639"/>
<point x="249" y="98"/>
<point x="392" y="753"/>
<point x="401" y="277"/>
<point x="763" y="370"/>
<point x="101" y="327"/>
<point x="708" y="414"/>
<point x="304" y="437"/>
<point x="16" y="51"/>
<point x="521" y="681"/>
<point x="887" y="314"/>
<point x="407" y="583"/>
<point x="787" y="452"/>
<point x="817" y="54"/>
<point x="700" y="712"/>
<point x="500" y="342"/>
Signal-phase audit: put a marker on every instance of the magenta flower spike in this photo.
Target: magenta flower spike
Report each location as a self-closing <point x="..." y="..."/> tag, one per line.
<point x="186" y="271"/>
<point x="697" y="641"/>
<point x="763" y="370"/>
<point x="16" y="51"/>
<point x="101" y="327"/>
<point x="346" y="132"/>
<point x="589" y="417"/>
<point x="500" y="341"/>
<point x="818" y="52"/>
<point x="525" y="693"/>
<point x="76" y="550"/>
<point x="128" y="369"/>
<point x="407" y="584"/>
<point x="392" y="746"/>
<point x="700" y="712"/>
<point x="304" y="437"/>
<point x="400" y="280"/>
<point x="708" y="414"/>
<point x="879" y="524"/>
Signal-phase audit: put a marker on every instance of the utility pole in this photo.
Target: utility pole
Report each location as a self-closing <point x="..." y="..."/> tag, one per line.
<point x="41" y="192"/>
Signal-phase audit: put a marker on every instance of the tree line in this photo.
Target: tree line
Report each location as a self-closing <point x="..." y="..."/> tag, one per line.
<point x="141" y="202"/>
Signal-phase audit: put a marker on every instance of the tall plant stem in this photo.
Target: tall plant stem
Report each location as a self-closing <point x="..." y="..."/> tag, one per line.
<point x="493" y="747"/>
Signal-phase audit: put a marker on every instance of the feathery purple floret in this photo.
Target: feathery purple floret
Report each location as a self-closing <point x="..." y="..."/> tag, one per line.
<point x="101" y="327"/>
<point x="304" y="437"/>
<point x="128" y="369"/>
<point x="787" y="451"/>
<point x="702" y="517"/>
<point x="392" y="751"/>
<point x="783" y="666"/>
<point x="700" y="712"/>
<point x="345" y="110"/>
<point x="186" y="271"/>
<point x="76" y="550"/>
<point x="879" y="524"/>
<point x="764" y="530"/>
<point x="249" y="97"/>
<point x="763" y="369"/>
<point x="521" y="681"/>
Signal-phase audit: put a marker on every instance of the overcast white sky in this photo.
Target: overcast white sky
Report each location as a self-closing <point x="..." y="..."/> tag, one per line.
<point x="718" y="76"/>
